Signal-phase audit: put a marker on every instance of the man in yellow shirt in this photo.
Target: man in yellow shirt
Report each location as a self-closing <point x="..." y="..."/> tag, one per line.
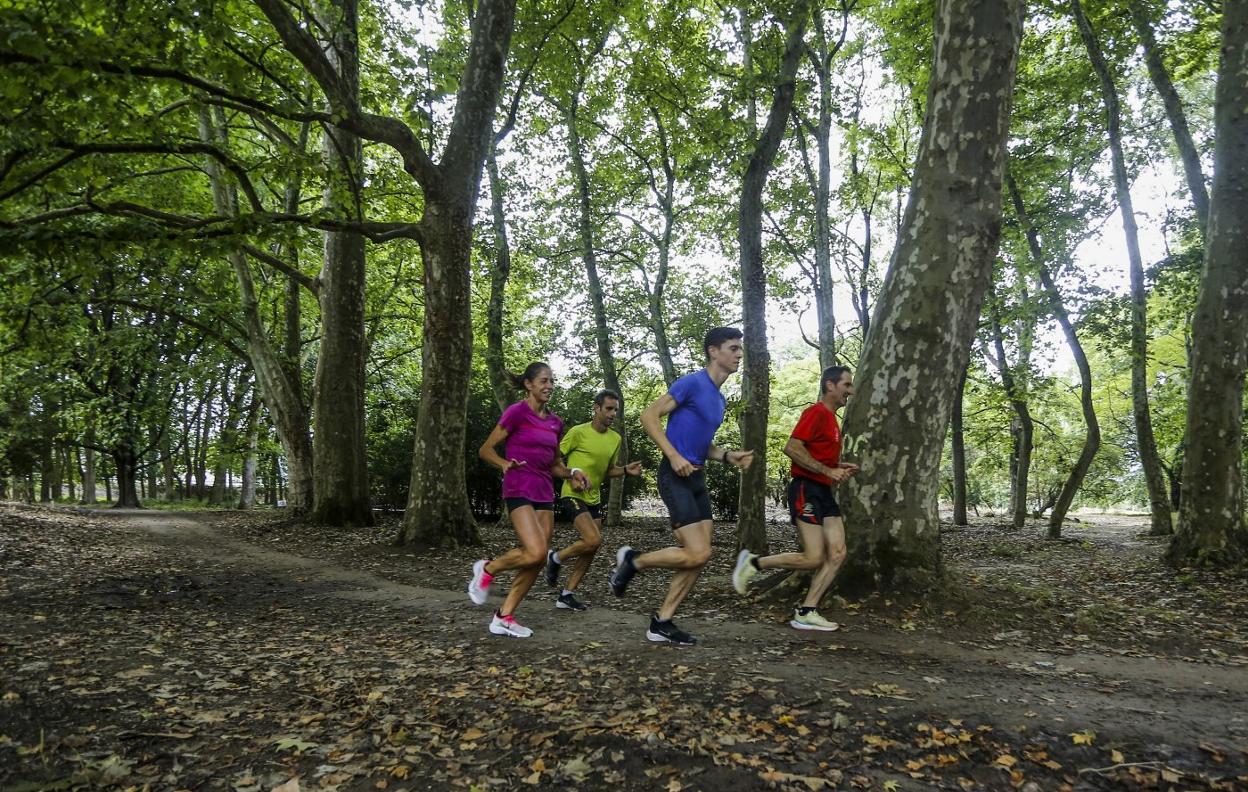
<point x="594" y="449"/>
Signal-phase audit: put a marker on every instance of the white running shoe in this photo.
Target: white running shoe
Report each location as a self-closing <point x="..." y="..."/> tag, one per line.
<point x="478" y="587"/>
<point x="743" y="571"/>
<point x="507" y="625"/>
<point x="812" y="621"/>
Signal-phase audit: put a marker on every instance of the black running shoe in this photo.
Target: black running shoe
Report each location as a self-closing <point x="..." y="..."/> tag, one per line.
<point x="552" y="568"/>
<point x="570" y="602"/>
<point x="624" y="570"/>
<point x="668" y="632"/>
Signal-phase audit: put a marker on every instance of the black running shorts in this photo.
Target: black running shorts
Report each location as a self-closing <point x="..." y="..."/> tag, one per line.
<point x="516" y="503"/>
<point x="575" y="507"/>
<point x="811" y="502"/>
<point x="686" y="497"/>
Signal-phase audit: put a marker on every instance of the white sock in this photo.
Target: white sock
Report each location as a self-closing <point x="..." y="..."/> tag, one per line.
<point x="566" y="592"/>
<point x="555" y="557"/>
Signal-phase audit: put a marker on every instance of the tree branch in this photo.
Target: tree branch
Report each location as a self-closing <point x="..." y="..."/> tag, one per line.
<point x="311" y="284"/>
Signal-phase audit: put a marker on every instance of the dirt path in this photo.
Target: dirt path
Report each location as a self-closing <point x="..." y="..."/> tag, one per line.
<point x="894" y="701"/>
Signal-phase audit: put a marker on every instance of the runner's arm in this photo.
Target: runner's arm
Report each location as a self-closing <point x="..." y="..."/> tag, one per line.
<point x="489" y="450"/>
<point x="650" y="421"/>
<point x="796" y="450"/>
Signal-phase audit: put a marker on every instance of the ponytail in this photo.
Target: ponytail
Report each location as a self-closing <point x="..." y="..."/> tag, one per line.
<point x="530" y="373"/>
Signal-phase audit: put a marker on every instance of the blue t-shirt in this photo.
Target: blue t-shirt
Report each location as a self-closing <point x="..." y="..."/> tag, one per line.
<point x="691" y="427"/>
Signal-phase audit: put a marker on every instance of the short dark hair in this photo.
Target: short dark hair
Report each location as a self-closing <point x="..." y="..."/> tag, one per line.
<point x="600" y="398"/>
<point x="830" y="374"/>
<point x="530" y="373"/>
<point x="717" y="336"/>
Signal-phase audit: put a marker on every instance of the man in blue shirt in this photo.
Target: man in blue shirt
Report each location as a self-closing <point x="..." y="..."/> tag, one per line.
<point x="696" y="408"/>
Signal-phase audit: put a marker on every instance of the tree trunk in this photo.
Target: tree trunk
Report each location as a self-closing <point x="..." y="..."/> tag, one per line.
<point x="756" y="382"/>
<point x="495" y="360"/>
<point x="1022" y="428"/>
<point x="70" y="472"/>
<point x="227" y="441"/>
<point x="88" y="469"/>
<point x="126" y="461"/>
<point x="928" y="310"/>
<point x="340" y="493"/>
<point x="247" y="487"/>
<point x="1092" y="438"/>
<point x="1190" y="157"/>
<point x="46" y="467"/>
<point x="959" y="457"/>
<point x="654" y="296"/>
<point x="170" y="474"/>
<point x="199" y="455"/>
<point x="1146" y="443"/>
<point x="278" y="380"/>
<point x="602" y="334"/>
<point x="438" y="512"/>
<point x="823" y="55"/>
<point x="1211" y="527"/>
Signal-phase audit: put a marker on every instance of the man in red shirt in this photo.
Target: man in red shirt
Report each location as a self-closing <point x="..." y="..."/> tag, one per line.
<point x="815" y="448"/>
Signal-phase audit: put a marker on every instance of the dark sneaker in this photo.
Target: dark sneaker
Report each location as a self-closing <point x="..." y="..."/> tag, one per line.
<point x="552" y="568"/>
<point x="624" y="570"/>
<point x="570" y="602"/>
<point x="668" y="632"/>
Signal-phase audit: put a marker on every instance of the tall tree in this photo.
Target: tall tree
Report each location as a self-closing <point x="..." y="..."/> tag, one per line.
<point x="821" y="54"/>
<point x="340" y="493"/>
<point x="756" y="383"/>
<point x="1092" y="436"/>
<point x="1211" y="526"/>
<point x="1022" y="427"/>
<point x="927" y="314"/>
<point x="1175" y="114"/>
<point x="1145" y="441"/>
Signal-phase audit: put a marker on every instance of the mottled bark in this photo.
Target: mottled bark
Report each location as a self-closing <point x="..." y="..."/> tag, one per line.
<point x="1190" y="157"/>
<point x="88" y="466"/>
<point x="1055" y="305"/>
<point x="756" y="381"/>
<point x="928" y="310"/>
<point x="958" y="443"/>
<point x="1211" y="526"/>
<point x="340" y="493"/>
<point x="1145" y="441"/>
<point x="438" y="512"/>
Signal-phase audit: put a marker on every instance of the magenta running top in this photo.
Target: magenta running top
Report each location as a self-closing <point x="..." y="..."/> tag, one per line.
<point x="534" y="440"/>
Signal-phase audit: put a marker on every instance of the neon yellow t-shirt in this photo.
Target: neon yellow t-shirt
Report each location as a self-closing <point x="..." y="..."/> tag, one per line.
<point x="593" y="452"/>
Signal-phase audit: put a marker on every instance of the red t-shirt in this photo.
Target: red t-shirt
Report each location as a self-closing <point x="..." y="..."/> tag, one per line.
<point x="821" y="432"/>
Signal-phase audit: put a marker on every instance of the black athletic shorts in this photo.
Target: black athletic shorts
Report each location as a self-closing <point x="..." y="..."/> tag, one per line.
<point x="575" y="507"/>
<point x="811" y="502"/>
<point x="686" y="497"/>
<point x="515" y="503"/>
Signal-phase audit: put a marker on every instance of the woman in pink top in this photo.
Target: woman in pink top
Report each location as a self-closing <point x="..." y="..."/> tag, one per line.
<point x="529" y="465"/>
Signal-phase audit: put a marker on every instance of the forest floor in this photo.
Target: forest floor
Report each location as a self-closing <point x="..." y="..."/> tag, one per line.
<point x="240" y="652"/>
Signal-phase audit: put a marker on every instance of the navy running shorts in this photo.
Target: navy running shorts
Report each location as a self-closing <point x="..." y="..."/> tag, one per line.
<point x="686" y="497"/>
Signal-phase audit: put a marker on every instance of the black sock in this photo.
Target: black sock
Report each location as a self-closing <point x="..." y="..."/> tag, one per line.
<point x="657" y="620"/>
<point x="757" y="566"/>
<point x="805" y="610"/>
